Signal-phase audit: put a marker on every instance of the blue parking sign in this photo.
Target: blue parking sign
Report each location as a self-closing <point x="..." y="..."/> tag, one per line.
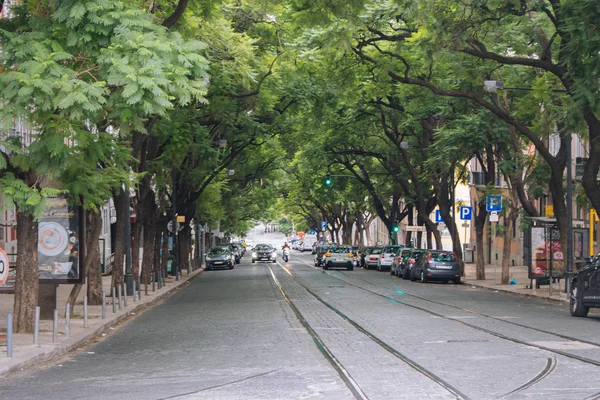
<point x="466" y="213"/>
<point x="438" y="217"/>
<point x="493" y="203"/>
<point x="323" y="224"/>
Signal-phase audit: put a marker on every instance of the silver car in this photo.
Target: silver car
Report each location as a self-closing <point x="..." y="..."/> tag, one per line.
<point x="387" y="256"/>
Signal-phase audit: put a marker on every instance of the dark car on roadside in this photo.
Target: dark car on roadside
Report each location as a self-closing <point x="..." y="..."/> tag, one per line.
<point x="264" y="252"/>
<point x="436" y="265"/>
<point x="404" y="261"/>
<point x="220" y="257"/>
<point x="585" y="289"/>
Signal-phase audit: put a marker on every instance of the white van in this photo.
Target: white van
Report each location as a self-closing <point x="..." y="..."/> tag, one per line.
<point x="308" y="243"/>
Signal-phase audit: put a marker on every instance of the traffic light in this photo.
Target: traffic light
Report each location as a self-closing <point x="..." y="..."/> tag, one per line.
<point x="395" y="227"/>
<point x="328" y="181"/>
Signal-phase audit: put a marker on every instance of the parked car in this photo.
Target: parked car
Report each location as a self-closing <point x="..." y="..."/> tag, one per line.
<point x="387" y="256"/>
<point x="362" y="254"/>
<point x="339" y="257"/>
<point x="297" y="245"/>
<point x="264" y="252"/>
<point x="436" y="265"/>
<point x="308" y="242"/>
<point x="220" y="257"/>
<point x="585" y="289"/>
<point x="236" y="251"/>
<point x="404" y="262"/>
<point x="372" y="259"/>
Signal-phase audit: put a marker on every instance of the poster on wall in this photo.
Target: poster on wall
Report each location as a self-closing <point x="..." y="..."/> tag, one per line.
<point x="59" y="238"/>
<point x="546" y="246"/>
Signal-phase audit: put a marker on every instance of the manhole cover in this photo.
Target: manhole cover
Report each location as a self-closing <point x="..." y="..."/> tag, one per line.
<point x="564" y="345"/>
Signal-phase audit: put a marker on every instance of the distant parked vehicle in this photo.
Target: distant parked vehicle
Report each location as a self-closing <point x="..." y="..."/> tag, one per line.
<point x="320" y="252"/>
<point x="387" y="256"/>
<point x="404" y="262"/>
<point x="585" y="289"/>
<point x="339" y="257"/>
<point x="220" y="257"/>
<point x="372" y="259"/>
<point x="362" y="254"/>
<point x="435" y="265"/>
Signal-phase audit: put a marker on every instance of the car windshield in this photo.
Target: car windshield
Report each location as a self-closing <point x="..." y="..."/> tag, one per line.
<point x="443" y="257"/>
<point x="341" y="250"/>
<point x="263" y="247"/>
<point x="217" y="251"/>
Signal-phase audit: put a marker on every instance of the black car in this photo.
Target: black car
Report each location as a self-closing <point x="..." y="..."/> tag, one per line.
<point x="585" y="289"/>
<point x="264" y="252"/>
<point x="436" y="265"/>
<point x="405" y="259"/>
<point x="220" y="257"/>
<point x="320" y="251"/>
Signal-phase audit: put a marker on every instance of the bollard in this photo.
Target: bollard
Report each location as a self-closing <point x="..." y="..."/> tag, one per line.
<point x="9" y="335"/>
<point x="154" y="282"/>
<point x="36" y="326"/>
<point x="124" y="294"/>
<point x="67" y="319"/>
<point x="85" y="312"/>
<point x="119" y="295"/>
<point x="114" y="299"/>
<point x="159" y="279"/>
<point x="55" y="326"/>
<point x="133" y="289"/>
<point x="139" y="289"/>
<point x="103" y="304"/>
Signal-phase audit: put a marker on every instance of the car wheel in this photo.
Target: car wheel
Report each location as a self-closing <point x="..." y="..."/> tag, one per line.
<point x="351" y="268"/>
<point x="423" y="278"/>
<point x="207" y="269"/>
<point x="274" y="261"/>
<point x="412" y="275"/>
<point x="576" y="306"/>
<point x="406" y="273"/>
<point x="456" y="281"/>
<point x="253" y="261"/>
<point x="325" y="266"/>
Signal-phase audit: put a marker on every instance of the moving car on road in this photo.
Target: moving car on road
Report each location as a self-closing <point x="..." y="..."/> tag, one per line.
<point x="220" y="257"/>
<point x="264" y="252"/>
<point x="339" y="257"/>
<point x="585" y="289"/>
<point x="435" y="265"/>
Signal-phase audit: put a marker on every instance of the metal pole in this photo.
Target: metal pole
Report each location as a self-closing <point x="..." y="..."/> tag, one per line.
<point x="119" y="295"/>
<point x="9" y="335"/>
<point x="154" y="281"/>
<point x="36" y="326"/>
<point x="551" y="259"/>
<point x="114" y="299"/>
<point x="124" y="295"/>
<point x="68" y="319"/>
<point x="85" y="312"/>
<point x="103" y="304"/>
<point x="139" y="289"/>
<point x="133" y="290"/>
<point x="55" y="326"/>
<point x="494" y="249"/>
<point x="569" y="214"/>
<point x="128" y="278"/>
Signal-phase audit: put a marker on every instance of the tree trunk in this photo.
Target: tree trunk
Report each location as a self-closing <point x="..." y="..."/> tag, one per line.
<point x="149" y="227"/>
<point x="165" y="250"/>
<point x="136" y="241"/>
<point x="185" y="246"/>
<point x="120" y="201"/>
<point x="92" y="258"/>
<point x="156" y="262"/>
<point x="27" y="278"/>
<point x="480" y="220"/>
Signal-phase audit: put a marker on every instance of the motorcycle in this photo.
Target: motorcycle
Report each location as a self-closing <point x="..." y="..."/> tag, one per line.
<point x="286" y="254"/>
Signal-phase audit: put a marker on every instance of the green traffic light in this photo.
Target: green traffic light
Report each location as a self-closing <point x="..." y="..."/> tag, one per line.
<point x="395" y="228"/>
<point x="328" y="181"/>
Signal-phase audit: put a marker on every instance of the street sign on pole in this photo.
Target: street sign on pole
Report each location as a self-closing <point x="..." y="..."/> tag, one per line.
<point x="494" y="216"/>
<point x="438" y="217"/>
<point x="323" y="224"/>
<point x="415" y="228"/>
<point x="493" y="203"/>
<point x="466" y="213"/>
<point x="3" y="267"/>
<point x="174" y="225"/>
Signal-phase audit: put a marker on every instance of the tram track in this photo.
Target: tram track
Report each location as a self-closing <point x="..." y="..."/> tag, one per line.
<point x="344" y="374"/>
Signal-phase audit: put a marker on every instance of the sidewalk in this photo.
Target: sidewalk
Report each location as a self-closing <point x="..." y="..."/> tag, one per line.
<point x="493" y="277"/>
<point x="25" y="353"/>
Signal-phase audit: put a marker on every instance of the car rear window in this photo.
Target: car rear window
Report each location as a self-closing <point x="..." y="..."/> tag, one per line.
<point x="392" y="249"/>
<point x="376" y="251"/>
<point x="341" y="250"/>
<point x="443" y="257"/>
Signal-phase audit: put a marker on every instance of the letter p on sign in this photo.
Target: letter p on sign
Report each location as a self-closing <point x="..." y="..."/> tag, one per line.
<point x="466" y="213"/>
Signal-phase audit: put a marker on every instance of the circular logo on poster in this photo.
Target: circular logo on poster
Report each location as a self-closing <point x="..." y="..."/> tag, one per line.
<point x="3" y="267"/>
<point x="53" y="239"/>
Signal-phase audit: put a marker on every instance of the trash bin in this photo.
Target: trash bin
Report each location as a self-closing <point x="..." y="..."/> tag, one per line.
<point x="469" y="257"/>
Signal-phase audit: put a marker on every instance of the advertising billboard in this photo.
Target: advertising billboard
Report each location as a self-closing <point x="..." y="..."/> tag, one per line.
<point x="60" y="235"/>
<point x="546" y="251"/>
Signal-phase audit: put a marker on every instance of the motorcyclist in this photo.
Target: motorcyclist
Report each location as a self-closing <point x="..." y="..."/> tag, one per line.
<point x="285" y="246"/>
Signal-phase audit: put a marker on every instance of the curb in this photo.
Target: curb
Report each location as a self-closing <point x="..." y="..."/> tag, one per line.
<point x="54" y="350"/>
<point x="525" y="295"/>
